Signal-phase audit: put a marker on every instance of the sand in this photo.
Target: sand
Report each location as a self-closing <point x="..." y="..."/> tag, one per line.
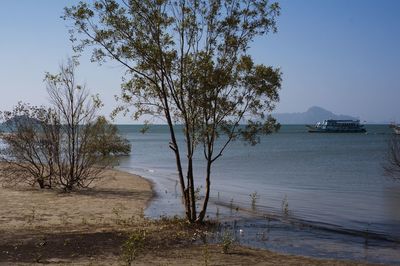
<point x="89" y="227"/>
<point x="118" y="195"/>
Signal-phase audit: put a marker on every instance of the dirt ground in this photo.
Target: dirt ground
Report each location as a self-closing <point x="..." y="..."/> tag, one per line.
<point x="104" y="225"/>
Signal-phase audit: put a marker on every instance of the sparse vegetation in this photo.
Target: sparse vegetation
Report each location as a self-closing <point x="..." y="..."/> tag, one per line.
<point x="167" y="240"/>
<point x="30" y="134"/>
<point x="62" y="146"/>
<point x="132" y="247"/>
<point x="227" y="242"/>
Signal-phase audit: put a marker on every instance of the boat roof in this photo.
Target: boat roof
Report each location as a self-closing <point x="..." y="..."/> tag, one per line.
<point x="342" y="121"/>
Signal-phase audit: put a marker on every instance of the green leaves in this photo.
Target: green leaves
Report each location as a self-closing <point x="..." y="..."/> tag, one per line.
<point x="186" y="58"/>
<point x="187" y="61"/>
<point x="103" y="139"/>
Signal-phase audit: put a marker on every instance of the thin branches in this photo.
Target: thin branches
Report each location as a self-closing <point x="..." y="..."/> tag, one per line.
<point x="64" y="146"/>
<point x="187" y="60"/>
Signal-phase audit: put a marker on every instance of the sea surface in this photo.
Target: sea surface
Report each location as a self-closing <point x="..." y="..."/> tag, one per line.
<point x="322" y="195"/>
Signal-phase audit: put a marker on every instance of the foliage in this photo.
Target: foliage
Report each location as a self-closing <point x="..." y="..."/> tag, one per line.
<point x="104" y="139"/>
<point x="227" y="241"/>
<point x="187" y="61"/>
<point x="133" y="246"/>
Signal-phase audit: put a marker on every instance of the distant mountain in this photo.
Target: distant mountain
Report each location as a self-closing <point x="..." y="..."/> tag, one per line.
<point x="311" y="116"/>
<point x="23" y="119"/>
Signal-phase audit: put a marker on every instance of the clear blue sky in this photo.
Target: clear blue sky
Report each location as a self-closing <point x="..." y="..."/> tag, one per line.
<point x="343" y="55"/>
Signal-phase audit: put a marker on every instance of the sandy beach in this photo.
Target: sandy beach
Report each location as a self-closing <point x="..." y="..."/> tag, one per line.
<point x="90" y="227"/>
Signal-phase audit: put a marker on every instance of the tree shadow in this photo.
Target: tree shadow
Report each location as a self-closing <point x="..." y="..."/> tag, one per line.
<point x="105" y="193"/>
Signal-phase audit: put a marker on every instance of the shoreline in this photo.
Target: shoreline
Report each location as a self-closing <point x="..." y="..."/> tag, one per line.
<point x="90" y="226"/>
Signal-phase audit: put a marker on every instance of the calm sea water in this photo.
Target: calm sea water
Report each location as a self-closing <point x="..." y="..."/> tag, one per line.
<point x="322" y="195"/>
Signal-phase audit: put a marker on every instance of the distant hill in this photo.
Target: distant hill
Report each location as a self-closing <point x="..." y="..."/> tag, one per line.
<point x="311" y="116"/>
<point x="20" y="119"/>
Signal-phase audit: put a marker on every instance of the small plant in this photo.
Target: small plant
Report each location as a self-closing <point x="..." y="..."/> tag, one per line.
<point x="117" y="212"/>
<point x="84" y="221"/>
<point x="133" y="246"/>
<point x="227" y="241"/>
<point x="67" y="241"/>
<point x="253" y="197"/>
<point x="285" y="206"/>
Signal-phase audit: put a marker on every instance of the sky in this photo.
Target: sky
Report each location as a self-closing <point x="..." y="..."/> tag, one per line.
<point x="342" y="55"/>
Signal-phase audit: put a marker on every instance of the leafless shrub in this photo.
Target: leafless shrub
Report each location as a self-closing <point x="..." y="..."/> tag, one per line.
<point x="66" y="145"/>
<point x="28" y="152"/>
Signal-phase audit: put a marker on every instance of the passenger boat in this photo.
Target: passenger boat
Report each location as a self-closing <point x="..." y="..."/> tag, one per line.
<point x="337" y="126"/>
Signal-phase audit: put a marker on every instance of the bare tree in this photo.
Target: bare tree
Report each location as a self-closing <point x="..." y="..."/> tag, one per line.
<point x="77" y="164"/>
<point x="63" y="146"/>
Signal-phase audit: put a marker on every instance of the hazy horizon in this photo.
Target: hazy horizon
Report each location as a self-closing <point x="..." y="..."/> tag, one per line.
<point x="340" y="55"/>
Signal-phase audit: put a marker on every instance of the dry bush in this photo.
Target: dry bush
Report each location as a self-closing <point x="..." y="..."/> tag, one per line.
<point x="67" y="145"/>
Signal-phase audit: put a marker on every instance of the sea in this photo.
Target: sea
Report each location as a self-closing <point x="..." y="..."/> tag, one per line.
<point x="321" y="195"/>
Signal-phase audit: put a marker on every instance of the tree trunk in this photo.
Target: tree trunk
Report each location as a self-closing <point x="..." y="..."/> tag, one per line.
<point x="175" y="148"/>
<point x="40" y="181"/>
<point x="202" y="214"/>
<point x="191" y="189"/>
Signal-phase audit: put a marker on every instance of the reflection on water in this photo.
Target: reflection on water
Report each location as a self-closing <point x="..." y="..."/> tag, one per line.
<point x="337" y="195"/>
